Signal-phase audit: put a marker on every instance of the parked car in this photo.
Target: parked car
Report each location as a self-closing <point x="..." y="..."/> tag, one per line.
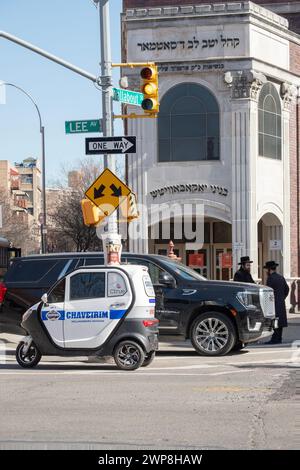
<point x="94" y="311"/>
<point x="216" y="315"/>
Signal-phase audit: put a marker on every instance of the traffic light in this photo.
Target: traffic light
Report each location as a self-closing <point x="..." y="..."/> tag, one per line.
<point x="129" y="208"/>
<point x="149" y="88"/>
<point x="92" y="215"/>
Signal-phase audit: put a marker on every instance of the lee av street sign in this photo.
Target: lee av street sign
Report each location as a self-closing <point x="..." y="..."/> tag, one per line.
<point x="107" y="192"/>
<point x="110" y="145"/>
<point x="129" y="97"/>
<point x="79" y="127"/>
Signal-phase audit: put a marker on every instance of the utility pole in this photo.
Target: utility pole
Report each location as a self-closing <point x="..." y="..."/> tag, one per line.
<point x="111" y="236"/>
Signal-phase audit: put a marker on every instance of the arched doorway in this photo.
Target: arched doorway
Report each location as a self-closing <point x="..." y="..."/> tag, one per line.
<point x="213" y="260"/>
<point x="270" y="243"/>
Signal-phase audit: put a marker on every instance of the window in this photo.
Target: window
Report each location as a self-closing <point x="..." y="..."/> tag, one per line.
<point x="153" y="270"/>
<point x="87" y="286"/>
<point x="34" y="270"/>
<point x="58" y="293"/>
<point x="184" y="271"/>
<point x="188" y="125"/>
<point x="94" y="261"/>
<point x="116" y="285"/>
<point x="269" y="123"/>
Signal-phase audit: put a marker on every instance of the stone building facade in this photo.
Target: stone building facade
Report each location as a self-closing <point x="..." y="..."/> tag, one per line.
<point x="227" y="135"/>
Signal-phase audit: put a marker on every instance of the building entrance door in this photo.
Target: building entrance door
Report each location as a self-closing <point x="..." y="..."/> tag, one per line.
<point x="200" y="261"/>
<point x="222" y="261"/>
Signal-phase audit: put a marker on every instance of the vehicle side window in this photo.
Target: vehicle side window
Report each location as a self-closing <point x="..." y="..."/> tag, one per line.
<point x="116" y="285"/>
<point x="35" y="270"/>
<point x="154" y="270"/>
<point x="58" y="293"/>
<point x="99" y="261"/>
<point x="87" y="286"/>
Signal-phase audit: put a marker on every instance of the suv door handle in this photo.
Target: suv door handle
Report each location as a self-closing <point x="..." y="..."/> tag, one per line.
<point x="117" y="305"/>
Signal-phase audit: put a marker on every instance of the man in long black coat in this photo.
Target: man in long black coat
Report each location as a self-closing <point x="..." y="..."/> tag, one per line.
<point x="243" y="274"/>
<point x="281" y="290"/>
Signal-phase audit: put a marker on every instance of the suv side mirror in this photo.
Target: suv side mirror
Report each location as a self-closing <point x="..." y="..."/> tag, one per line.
<point x="166" y="280"/>
<point x="44" y="298"/>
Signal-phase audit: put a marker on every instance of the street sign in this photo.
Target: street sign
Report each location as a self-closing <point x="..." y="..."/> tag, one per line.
<point x="115" y="145"/>
<point x="79" y="127"/>
<point x="127" y="96"/>
<point x="275" y="245"/>
<point x="107" y="192"/>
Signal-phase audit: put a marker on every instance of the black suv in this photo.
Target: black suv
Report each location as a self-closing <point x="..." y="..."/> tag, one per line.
<point x="217" y="316"/>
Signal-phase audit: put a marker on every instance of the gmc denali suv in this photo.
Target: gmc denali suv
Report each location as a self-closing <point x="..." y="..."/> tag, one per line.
<point x="217" y="316"/>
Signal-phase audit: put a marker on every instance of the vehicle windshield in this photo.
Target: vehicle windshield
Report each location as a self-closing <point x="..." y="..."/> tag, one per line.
<point x="184" y="271"/>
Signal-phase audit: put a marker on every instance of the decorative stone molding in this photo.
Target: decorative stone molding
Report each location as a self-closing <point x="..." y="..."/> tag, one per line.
<point x="288" y="94"/>
<point x="209" y="9"/>
<point x="244" y="83"/>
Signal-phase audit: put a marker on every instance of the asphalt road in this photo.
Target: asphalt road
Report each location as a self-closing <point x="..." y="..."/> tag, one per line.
<point x="245" y="400"/>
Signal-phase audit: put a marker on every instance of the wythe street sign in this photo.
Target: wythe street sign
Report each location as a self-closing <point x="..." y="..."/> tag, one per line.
<point x="79" y="127"/>
<point x="110" y="145"/>
<point x="107" y="192"/>
<point x="128" y="97"/>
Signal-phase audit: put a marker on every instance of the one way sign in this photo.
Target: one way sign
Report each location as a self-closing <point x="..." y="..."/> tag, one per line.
<point x="110" y="145"/>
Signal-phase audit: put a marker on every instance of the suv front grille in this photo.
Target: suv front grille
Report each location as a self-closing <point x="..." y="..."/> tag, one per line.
<point x="266" y="297"/>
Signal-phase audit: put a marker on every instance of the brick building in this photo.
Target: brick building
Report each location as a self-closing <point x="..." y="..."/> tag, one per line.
<point x="227" y="135"/>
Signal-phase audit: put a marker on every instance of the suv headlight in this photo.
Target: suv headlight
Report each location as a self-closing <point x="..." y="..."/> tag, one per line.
<point x="248" y="299"/>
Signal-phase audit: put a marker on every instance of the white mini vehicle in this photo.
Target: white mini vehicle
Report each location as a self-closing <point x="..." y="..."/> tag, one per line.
<point x="94" y="311"/>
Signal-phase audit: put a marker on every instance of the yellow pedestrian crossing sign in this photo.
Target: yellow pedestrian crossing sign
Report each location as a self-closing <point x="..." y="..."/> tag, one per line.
<point x="107" y="192"/>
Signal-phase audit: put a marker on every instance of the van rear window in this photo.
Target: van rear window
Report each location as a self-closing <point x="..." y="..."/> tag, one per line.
<point x="34" y="270"/>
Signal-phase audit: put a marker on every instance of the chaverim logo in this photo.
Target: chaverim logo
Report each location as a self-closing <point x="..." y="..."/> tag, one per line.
<point x="53" y="315"/>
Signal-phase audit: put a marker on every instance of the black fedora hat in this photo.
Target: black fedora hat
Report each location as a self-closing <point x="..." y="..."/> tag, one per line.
<point x="245" y="259"/>
<point x="270" y="265"/>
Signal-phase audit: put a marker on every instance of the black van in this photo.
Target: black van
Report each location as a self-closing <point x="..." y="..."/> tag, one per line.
<point x="216" y="315"/>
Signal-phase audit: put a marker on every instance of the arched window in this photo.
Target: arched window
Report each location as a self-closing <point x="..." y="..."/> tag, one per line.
<point x="188" y="125"/>
<point x="269" y="122"/>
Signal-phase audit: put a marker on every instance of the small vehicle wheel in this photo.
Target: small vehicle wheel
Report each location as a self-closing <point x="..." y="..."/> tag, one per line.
<point x="129" y="355"/>
<point x="31" y="358"/>
<point x="213" y="334"/>
<point x="148" y="358"/>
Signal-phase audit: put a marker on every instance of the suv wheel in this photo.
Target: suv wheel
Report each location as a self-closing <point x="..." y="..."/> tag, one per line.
<point x="213" y="334"/>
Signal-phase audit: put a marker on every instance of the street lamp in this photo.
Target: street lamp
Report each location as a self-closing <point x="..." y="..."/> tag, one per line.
<point x="42" y="132"/>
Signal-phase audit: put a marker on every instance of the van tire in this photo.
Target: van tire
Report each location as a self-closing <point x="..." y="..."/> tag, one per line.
<point x="129" y="355"/>
<point x="204" y="338"/>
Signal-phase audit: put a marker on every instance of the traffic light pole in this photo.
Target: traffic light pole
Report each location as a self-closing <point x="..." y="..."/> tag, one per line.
<point x="110" y="238"/>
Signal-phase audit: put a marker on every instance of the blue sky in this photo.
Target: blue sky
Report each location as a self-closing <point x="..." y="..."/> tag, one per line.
<point x="69" y="29"/>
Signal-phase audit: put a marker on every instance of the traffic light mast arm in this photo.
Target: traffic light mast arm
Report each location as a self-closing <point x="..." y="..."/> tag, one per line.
<point x="134" y="116"/>
<point x="133" y="64"/>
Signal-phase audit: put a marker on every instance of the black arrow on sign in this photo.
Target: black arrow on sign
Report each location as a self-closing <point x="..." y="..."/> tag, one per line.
<point x="117" y="192"/>
<point x="99" y="192"/>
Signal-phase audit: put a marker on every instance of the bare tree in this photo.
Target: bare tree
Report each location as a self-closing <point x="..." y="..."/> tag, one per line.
<point x="66" y="230"/>
<point x="18" y="226"/>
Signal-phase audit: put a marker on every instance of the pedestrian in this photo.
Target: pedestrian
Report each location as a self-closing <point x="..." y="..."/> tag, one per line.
<point x="281" y="290"/>
<point x="243" y="274"/>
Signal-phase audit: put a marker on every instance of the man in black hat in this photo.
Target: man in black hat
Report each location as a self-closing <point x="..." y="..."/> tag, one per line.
<point x="243" y="274"/>
<point x="281" y="290"/>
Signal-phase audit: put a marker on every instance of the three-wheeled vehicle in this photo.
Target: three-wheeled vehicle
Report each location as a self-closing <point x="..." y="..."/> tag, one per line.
<point x="94" y="311"/>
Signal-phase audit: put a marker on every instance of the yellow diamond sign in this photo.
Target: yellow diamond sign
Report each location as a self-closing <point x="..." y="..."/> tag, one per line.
<point x="107" y="192"/>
